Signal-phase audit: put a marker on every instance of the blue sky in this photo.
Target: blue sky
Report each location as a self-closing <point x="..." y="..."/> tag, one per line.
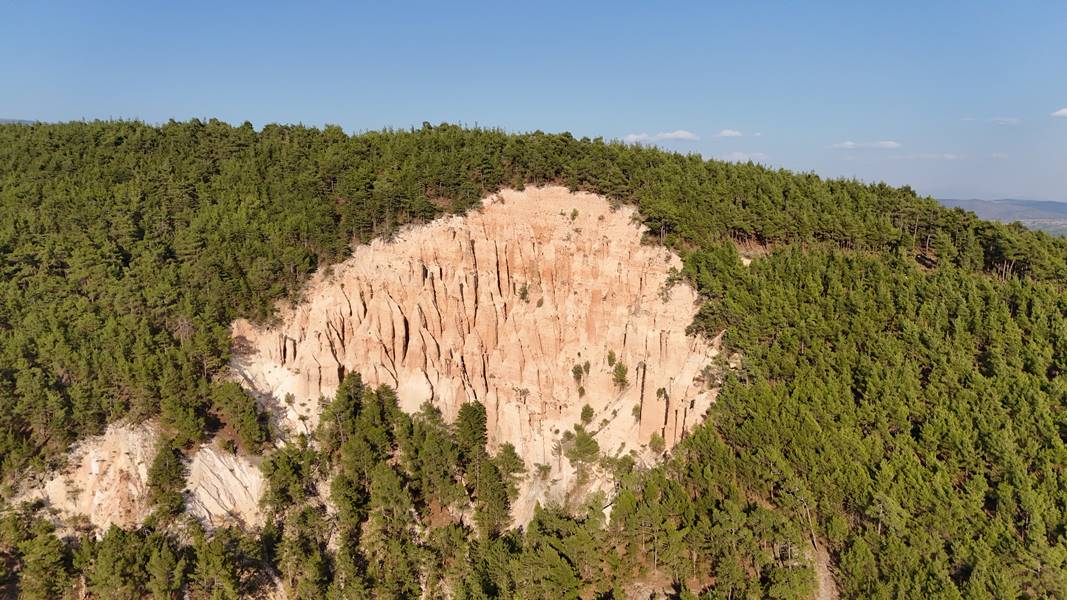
<point x="955" y="99"/>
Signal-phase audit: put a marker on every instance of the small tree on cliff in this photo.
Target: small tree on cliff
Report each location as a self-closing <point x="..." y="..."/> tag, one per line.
<point x="470" y="429"/>
<point x="511" y="467"/>
<point x="656" y="443"/>
<point x="166" y="476"/>
<point x="587" y="414"/>
<point x="618" y="375"/>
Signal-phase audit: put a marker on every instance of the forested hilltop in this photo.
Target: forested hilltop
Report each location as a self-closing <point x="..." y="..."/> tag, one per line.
<point x="900" y="400"/>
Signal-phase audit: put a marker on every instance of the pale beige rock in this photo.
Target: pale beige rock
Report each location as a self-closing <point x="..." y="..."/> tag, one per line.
<point x="223" y="489"/>
<point x="106" y="481"/>
<point x="497" y="307"/>
<point x="106" y="478"/>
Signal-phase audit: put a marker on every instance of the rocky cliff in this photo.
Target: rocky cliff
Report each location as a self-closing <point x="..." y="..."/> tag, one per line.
<point x="223" y="488"/>
<point x="536" y="304"/>
<point x="106" y="481"/>
<point x="106" y="478"/>
<point x="527" y="305"/>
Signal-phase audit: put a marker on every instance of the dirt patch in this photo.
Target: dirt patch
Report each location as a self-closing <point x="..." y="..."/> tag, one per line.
<point x="825" y="584"/>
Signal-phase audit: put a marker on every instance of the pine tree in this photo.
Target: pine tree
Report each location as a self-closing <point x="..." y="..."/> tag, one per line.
<point x="44" y="564"/>
<point x="166" y="572"/>
<point x="471" y="429"/>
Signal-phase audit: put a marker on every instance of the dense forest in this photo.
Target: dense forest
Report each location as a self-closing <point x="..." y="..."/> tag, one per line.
<point x="899" y="401"/>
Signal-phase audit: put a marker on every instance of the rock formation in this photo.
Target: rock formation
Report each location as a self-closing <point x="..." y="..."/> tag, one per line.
<point x="223" y="489"/>
<point x="106" y="481"/>
<point x="106" y="478"/>
<point x="526" y="305"/>
<point x="536" y="304"/>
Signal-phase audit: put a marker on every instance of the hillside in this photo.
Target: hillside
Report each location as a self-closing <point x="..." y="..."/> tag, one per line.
<point x="894" y="406"/>
<point x="1045" y="216"/>
<point x="540" y="305"/>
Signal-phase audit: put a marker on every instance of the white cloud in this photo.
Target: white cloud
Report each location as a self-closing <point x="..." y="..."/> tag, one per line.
<point x="743" y="157"/>
<point x="1060" y="113"/>
<point x="883" y="145"/>
<point x="729" y="133"/>
<point x="998" y="155"/>
<point x="677" y="134"/>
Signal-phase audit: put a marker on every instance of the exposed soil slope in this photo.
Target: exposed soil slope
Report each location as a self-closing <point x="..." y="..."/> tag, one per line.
<point x="106" y="478"/>
<point x="527" y="306"/>
<point x="223" y="488"/>
<point x="106" y="481"/>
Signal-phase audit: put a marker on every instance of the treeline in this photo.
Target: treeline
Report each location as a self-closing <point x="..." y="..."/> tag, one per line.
<point x="900" y="396"/>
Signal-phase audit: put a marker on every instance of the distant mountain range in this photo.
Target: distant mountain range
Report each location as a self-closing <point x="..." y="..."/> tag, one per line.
<point x="1035" y="214"/>
<point x="15" y="122"/>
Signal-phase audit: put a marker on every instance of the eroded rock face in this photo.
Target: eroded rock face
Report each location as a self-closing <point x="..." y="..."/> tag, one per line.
<point x="106" y="479"/>
<point x="498" y="307"/>
<point x="518" y="306"/>
<point x="106" y="482"/>
<point x="223" y="489"/>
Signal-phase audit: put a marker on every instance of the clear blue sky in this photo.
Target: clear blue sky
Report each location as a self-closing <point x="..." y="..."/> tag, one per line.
<point x="956" y="99"/>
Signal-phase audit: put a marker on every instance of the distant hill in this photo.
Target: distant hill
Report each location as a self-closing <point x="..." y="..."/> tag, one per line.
<point x="16" y="122"/>
<point x="1035" y="214"/>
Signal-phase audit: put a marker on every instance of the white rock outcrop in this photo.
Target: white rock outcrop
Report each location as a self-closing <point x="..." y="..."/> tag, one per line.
<point x="498" y="307"/>
<point x="106" y="478"/>
<point x="106" y="481"/>
<point x="223" y="489"/>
